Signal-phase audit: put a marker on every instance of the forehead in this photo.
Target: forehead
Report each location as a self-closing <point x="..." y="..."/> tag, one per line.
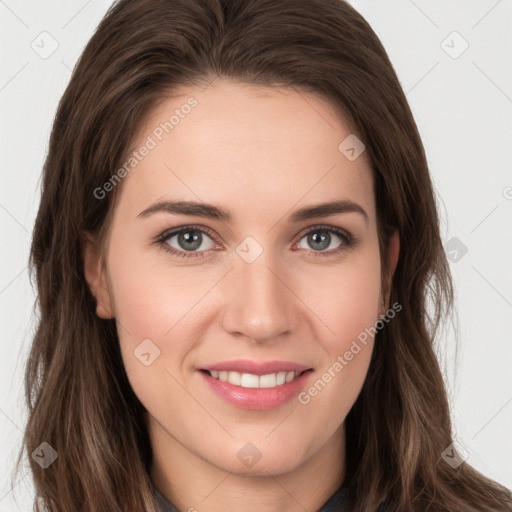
<point x="247" y="145"/>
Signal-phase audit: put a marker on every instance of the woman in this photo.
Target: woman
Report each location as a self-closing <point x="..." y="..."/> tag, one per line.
<point x="234" y="251"/>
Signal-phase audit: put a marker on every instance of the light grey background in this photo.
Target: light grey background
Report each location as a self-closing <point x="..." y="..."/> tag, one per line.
<point x="462" y="103"/>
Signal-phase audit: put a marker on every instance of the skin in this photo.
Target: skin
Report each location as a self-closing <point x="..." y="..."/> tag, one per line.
<point x="262" y="153"/>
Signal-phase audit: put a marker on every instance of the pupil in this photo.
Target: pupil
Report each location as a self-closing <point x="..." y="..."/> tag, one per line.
<point x="185" y="238"/>
<point x="320" y="239"/>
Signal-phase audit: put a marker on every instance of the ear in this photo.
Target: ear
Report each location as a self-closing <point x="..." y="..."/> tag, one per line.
<point x="393" y="253"/>
<point x="96" y="277"/>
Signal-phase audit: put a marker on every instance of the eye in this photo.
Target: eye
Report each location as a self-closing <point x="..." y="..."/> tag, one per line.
<point x="188" y="241"/>
<point x="320" y="238"/>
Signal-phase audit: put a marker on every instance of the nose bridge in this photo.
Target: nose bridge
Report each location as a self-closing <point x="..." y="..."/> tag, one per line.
<point x="260" y="303"/>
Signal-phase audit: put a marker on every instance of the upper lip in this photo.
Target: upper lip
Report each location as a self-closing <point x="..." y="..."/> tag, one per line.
<point x="256" y="367"/>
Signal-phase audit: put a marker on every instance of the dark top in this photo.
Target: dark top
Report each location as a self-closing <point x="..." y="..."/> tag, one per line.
<point x="334" y="504"/>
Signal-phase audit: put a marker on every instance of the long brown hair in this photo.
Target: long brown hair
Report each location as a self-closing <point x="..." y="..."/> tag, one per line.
<point x="79" y="398"/>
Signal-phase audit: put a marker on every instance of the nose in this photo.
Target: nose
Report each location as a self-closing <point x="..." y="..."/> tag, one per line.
<point x="260" y="303"/>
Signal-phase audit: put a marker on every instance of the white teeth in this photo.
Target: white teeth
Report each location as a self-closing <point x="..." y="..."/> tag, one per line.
<point x="290" y="376"/>
<point x="268" y="381"/>
<point x="249" y="380"/>
<point x="234" y="378"/>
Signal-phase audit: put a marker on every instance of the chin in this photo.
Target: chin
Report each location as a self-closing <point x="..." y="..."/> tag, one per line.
<point x="252" y="461"/>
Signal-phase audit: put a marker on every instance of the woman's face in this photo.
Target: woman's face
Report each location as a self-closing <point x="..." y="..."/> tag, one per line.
<point x="267" y="291"/>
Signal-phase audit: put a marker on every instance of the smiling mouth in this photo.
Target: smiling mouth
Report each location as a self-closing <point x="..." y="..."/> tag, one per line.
<point x="250" y="380"/>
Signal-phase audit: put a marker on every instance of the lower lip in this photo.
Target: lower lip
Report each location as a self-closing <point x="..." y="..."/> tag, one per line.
<point x="259" y="399"/>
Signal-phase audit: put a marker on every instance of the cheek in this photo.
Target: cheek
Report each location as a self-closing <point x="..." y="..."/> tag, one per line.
<point x="151" y="307"/>
<point x="346" y="301"/>
<point x="350" y="309"/>
<point x="345" y="298"/>
<point x="151" y="304"/>
<point x="150" y="296"/>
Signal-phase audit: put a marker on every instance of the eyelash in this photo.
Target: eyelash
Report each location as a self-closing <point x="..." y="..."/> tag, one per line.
<point x="350" y="241"/>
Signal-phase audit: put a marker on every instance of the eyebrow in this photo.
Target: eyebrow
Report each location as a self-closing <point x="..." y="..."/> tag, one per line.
<point x="210" y="211"/>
